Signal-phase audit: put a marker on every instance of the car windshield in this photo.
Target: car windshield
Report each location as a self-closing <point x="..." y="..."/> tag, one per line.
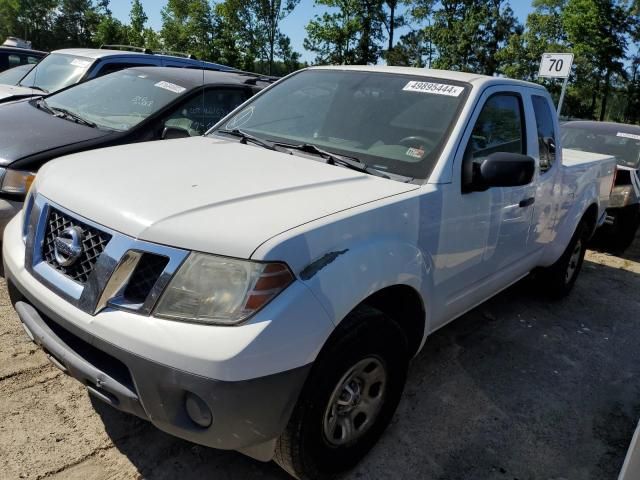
<point x="14" y="75"/>
<point x="622" y="145"/>
<point x="57" y="71"/>
<point x="117" y="101"/>
<point x="391" y="122"/>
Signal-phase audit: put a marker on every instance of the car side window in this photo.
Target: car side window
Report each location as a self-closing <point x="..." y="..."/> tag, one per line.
<point x="14" y="60"/>
<point x="117" y="66"/>
<point x="202" y="111"/>
<point x="546" y="132"/>
<point x="499" y="128"/>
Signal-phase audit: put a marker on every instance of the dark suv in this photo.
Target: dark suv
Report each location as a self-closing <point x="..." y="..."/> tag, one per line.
<point x="12" y="57"/>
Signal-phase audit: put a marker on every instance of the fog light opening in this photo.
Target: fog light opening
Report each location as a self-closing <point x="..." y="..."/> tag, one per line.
<point x="198" y="410"/>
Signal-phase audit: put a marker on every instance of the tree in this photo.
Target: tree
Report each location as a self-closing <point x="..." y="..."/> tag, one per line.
<point x="350" y="35"/>
<point x="597" y="32"/>
<point x="468" y="34"/>
<point x="187" y="26"/>
<point x="257" y="26"/>
<point x="544" y="33"/>
<point x="412" y="50"/>
<point x="75" y="23"/>
<point x="138" y="19"/>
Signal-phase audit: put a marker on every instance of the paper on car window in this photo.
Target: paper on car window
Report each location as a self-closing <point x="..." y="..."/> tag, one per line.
<point x="78" y="62"/>
<point x="172" y="87"/>
<point x="434" y="88"/>
<point x="628" y="135"/>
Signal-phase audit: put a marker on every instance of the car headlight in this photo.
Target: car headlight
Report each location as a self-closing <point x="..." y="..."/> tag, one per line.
<point x="16" y="181"/>
<point x="219" y="290"/>
<point x="621" y="196"/>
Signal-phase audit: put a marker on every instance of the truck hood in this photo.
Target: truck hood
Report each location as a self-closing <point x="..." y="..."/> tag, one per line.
<point x="27" y="130"/>
<point x="206" y="194"/>
<point x="15" y="92"/>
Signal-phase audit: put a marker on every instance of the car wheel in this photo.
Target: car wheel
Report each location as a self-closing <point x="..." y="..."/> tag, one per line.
<point x="559" y="278"/>
<point x="626" y="228"/>
<point x="349" y="398"/>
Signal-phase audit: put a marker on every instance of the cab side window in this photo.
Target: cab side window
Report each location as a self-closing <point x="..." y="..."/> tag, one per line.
<point x="499" y="127"/>
<point x="202" y="111"/>
<point x="546" y="132"/>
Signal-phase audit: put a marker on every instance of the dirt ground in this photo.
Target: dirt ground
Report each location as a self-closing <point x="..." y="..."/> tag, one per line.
<point x="519" y="388"/>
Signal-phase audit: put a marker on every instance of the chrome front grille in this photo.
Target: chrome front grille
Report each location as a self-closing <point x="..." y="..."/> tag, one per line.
<point x="94" y="243"/>
<point x="113" y="270"/>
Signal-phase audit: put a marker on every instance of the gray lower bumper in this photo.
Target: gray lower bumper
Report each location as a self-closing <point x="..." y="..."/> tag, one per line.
<point x="247" y="415"/>
<point x="8" y="210"/>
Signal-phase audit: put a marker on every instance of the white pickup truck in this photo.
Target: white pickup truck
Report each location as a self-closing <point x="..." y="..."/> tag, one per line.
<point x="263" y="288"/>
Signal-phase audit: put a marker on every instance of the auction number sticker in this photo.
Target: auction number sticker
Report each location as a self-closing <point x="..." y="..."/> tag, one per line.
<point x="77" y="62"/>
<point x="435" y="88"/>
<point x="172" y="87"/>
<point x="628" y="135"/>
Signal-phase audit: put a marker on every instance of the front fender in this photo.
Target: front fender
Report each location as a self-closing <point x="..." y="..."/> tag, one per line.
<point x="342" y="279"/>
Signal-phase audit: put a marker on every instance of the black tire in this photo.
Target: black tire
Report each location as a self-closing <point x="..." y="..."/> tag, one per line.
<point x="625" y="232"/>
<point x="304" y="449"/>
<point x="558" y="279"/>
<point x="619" y="236"/>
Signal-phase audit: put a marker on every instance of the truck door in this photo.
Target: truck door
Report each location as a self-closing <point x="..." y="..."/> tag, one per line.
<point x="547" y="174"/>
<point x="484" y="242"/>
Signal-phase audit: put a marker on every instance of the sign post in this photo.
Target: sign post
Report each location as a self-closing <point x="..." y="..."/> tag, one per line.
<point x="557" y="65"/>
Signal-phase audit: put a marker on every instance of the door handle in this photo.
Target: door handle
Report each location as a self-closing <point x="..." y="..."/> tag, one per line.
<point x="527" y="202"/>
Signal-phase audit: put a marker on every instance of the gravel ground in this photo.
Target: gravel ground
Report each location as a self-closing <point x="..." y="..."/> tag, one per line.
<point x="519" y="388"/>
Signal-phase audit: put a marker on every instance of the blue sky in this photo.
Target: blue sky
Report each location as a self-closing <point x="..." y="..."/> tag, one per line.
<point x="293" y="25"/>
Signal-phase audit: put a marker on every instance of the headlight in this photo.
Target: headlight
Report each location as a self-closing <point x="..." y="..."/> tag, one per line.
<point x="26" y="211"/>
<point x="621" y="196"/>
<point x="219" y="290"/>
<point x="16" y="181"/>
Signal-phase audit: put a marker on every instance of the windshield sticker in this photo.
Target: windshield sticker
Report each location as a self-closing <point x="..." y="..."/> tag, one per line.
<point x="415" y="152"/>
<point x="142" y="101"/>
<point x="77" y="62"/>
<point x="172" y="87"/>
<point x="434" y="88"/>
<point x="240" y="119"/>
<point x="628" y="135"/>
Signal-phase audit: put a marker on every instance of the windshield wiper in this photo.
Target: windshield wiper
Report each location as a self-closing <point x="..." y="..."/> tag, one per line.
<point x="247" y="137"/>
<point x="34" y="88"/>
<point x="335" y="159"/>
<point x="42" y="103"/>
<point x="61" y="112"/>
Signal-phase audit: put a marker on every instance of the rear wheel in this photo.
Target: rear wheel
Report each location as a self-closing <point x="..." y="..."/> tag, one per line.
<point x="558" y="279"/>
<point x="349" y="398"/>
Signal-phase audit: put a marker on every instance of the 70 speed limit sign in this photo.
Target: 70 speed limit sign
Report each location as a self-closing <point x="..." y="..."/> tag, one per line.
<point x="556" y="65"/>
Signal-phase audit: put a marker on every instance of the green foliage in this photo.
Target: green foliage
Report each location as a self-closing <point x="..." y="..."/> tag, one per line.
<point x="138" y="18"/>
<point x="468" y="34"/>
<point x="351" y="33"/>
<point x="480" y="36"/>
<point x="187" y="26"/>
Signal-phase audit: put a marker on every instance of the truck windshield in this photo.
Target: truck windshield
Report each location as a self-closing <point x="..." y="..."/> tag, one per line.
<point x="623" y="145"/>
<point x="391" y="122"/>
<point x="56" y="71"/>
<point x="117" y="101"/>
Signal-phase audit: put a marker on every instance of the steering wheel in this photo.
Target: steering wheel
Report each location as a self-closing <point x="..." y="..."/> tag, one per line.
<point x="417" y="141"/>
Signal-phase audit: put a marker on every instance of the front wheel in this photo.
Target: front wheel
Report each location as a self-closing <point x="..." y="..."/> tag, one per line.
<point x="348" y="399"/>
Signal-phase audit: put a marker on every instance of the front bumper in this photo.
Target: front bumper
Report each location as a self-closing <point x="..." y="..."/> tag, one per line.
<point x="248" y="376"/>
<point x="246" y="415"/>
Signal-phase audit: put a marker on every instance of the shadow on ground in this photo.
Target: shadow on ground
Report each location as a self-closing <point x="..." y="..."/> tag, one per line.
<point x="519" y="388"/>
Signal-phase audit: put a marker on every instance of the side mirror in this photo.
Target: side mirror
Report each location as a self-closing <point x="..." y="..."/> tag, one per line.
<point x="170" y="133"/>
<point x="499" y="169"/>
